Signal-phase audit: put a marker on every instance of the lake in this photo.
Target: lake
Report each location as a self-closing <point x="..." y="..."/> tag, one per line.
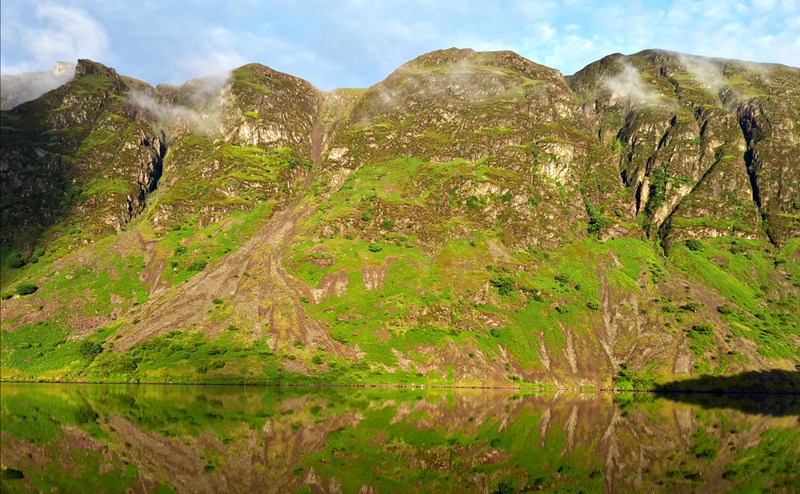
<point x="197" y="439"/>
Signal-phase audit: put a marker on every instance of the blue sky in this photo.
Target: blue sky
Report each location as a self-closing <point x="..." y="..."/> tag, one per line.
<point x="356" y="43"/>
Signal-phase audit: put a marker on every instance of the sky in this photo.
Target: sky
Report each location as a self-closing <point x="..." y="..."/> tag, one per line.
<point x="357" y="43"/>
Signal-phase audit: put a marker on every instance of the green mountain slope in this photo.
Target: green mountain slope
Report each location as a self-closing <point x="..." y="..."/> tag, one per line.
<point x="474" y="219"/>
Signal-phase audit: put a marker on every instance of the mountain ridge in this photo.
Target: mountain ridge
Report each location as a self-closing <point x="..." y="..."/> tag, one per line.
<point x="422" y="230"/>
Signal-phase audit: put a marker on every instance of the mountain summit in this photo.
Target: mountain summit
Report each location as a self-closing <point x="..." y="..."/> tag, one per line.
<point x="474" y="219"/>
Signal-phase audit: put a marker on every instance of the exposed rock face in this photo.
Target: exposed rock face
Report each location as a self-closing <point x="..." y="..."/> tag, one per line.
<point x="474" y="218"/>
<point x="78" y="155"/>
<point x="689" y="130"/>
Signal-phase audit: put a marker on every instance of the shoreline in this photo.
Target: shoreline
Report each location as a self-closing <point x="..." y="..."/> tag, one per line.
<point x="542" y="389"/>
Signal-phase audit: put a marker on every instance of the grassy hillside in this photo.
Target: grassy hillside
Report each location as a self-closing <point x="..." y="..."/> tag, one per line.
<point x="474" y="219"/>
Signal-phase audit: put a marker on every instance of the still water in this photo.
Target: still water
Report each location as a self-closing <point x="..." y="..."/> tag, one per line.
<point x="197" y="439"/>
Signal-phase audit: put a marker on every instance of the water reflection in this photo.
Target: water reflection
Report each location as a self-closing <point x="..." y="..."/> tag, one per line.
<point x="116" y="438"/>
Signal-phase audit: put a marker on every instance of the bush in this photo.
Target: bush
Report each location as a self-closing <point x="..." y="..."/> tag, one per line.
<point x="198" y="265"/>
<point x="690" y="307"/>
<point x="12" y="474"/>
<point x="366" y="216"/>
<point x="725" y="310"/>
<point x="475" y="203"/>
<point x="317" y="360"/>
<point x="26" y="289"/>
<point x="596" y="222"/>
<point x="495" y="332"/>
<point x="703" y="328"/>
<point x="592" y="305"/>
<point x="86" y="415"/>
<point x="504" y="285"/>
<point x="89" y="349"/>
<point x="373" y="247"/>
<point x="387" y="224"/>
<point x="694" y="245"/>
<point x="562" y="279"/>
<point x="15" y="260"/>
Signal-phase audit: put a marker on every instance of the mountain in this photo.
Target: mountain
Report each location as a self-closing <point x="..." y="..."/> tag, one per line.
<point x="474" y="219"/>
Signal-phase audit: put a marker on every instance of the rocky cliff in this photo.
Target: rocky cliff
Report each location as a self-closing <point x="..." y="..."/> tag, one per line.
<point x="474" y="219"/>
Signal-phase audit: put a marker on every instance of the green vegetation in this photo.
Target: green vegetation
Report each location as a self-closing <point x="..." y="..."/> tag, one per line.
<point x="26" y="289"/>
<point x="435" y="440"/>
<point x="441" y="236"/>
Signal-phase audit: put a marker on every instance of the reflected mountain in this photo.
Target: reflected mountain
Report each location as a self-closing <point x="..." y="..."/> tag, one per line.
<point x="122" y="438"/>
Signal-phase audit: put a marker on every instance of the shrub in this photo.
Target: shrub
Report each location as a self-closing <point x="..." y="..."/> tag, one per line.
<point x="562" y="278"/>
<point x="703" y="328"/>
<point x="366" y="216"/>
<point x="15" y="260"/>
<point x="690" y="307"/>
<point x="387" y="224"/>
<point x="89" y="349"/>
<point x="86" y="415"/>
<point x="198" y="265"/>
<point x="694" y="245"/>
<point x="725" y="310"/>
<point x="26" y="289"/>
<point x="373" y="247"/>
<point x="475" y="202"/>
<point x="12" y="474"/>
<point x="180" y="250"/>
<point x="504" y="285"/>
<point x="592" y="305"/>
<point x="317" y="360"/>
<point x="596" y="221"/>
<point x="495" y="332"/>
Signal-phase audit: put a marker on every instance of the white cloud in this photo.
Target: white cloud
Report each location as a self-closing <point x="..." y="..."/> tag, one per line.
<point x="705" y="71"/>
<point x="213" y="52"/>
<point x="358" y="42"/>
<point x="627" y="85"/>
<point x="60" y="33"/>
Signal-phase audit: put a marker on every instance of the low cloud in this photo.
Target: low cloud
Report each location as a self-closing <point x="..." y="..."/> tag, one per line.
<point x="197" y="105"/>
<point x="705" y="71"/>
<point x="627" y="85"/>
<point x="17" y="89"/>
<point x="452" y="79"/>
